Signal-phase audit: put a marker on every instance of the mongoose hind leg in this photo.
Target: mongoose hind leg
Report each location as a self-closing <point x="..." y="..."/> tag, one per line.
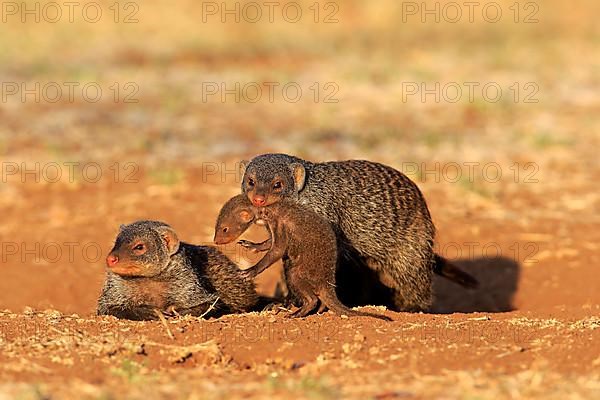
<point x="401" y="303"/>
<point x="302" y="290"/>
<point x="322" y="308"/>
<point x="308" y="305"/>
<point x="329" y="298"/>
<point x="411" y="288"/>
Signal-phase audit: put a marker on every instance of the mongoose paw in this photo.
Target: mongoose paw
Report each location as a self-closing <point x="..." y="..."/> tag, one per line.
<point x="171" y="312"/>
<point x="299" y="313"/>
<point x="253" y="247"/>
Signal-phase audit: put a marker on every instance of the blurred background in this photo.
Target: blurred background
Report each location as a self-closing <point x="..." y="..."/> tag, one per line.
<point x="492" y="108"/>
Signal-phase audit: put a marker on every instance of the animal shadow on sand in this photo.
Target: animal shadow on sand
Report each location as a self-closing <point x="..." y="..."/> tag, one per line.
<point x="498" y="279"/>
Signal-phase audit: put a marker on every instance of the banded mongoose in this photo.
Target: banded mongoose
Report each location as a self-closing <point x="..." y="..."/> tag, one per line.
<point x="380" y="217"/>
<point x="303" y="238"/>
<point x="150" y="269"/>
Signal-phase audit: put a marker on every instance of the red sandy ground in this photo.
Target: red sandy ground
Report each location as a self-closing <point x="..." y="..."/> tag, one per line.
<point x="531" y="330"/>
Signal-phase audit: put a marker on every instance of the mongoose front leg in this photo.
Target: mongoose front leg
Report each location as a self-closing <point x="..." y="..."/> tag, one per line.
<point x="256" y="247"/>
<point x="275" y="254"/>
<point x="198" y="310"/>
<point x="134" y="313"/>
<point x="277" y="251"/>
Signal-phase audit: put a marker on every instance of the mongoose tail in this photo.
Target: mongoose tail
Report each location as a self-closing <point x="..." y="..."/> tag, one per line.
<point x="332" y="302"/>
<point x="450" y="271"/>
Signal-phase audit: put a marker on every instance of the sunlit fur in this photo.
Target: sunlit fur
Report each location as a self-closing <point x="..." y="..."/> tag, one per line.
<point x="307" y="243"/>
<point x="377" y="212"/>
<point x="171" y="275"/>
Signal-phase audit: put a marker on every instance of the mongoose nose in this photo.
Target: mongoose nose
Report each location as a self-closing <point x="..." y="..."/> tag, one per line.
<point x="112" y="260"/>
<point x="259" y="201"/>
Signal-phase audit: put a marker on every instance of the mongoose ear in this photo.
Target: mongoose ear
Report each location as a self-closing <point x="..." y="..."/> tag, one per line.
<point x="170" y="238"/>
<point x="121" y="227"/>
<point x="246" y="216"/>
<point x="299" y="174"/>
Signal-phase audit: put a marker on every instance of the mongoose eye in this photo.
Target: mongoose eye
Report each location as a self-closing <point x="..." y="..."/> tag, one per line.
<point x="250" y="182"/>
<point x="139" y="247"/>
<point x="277" y="185"/>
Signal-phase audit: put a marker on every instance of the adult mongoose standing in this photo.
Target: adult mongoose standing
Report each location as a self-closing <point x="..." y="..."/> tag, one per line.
<point x="150" y="270"/>
<point x="380" y="217"/>
<point x="305" y="239"/>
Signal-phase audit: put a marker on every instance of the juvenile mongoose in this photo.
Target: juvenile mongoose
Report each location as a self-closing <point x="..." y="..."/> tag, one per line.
<point x="303" y="238"/>
<point x="379" y="215"/>
<point x="150" y="269"/>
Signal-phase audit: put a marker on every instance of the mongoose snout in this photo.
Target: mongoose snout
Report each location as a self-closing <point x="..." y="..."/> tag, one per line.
<point x="112" y="260"/>
<point x="123" y="267"/>
<point x="259" y="201"/>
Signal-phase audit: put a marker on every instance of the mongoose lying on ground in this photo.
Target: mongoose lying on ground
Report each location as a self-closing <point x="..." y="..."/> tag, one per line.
<point x="379" y="215"/>
<point x="303" y="238"/>
<point x="150" y="269"/>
